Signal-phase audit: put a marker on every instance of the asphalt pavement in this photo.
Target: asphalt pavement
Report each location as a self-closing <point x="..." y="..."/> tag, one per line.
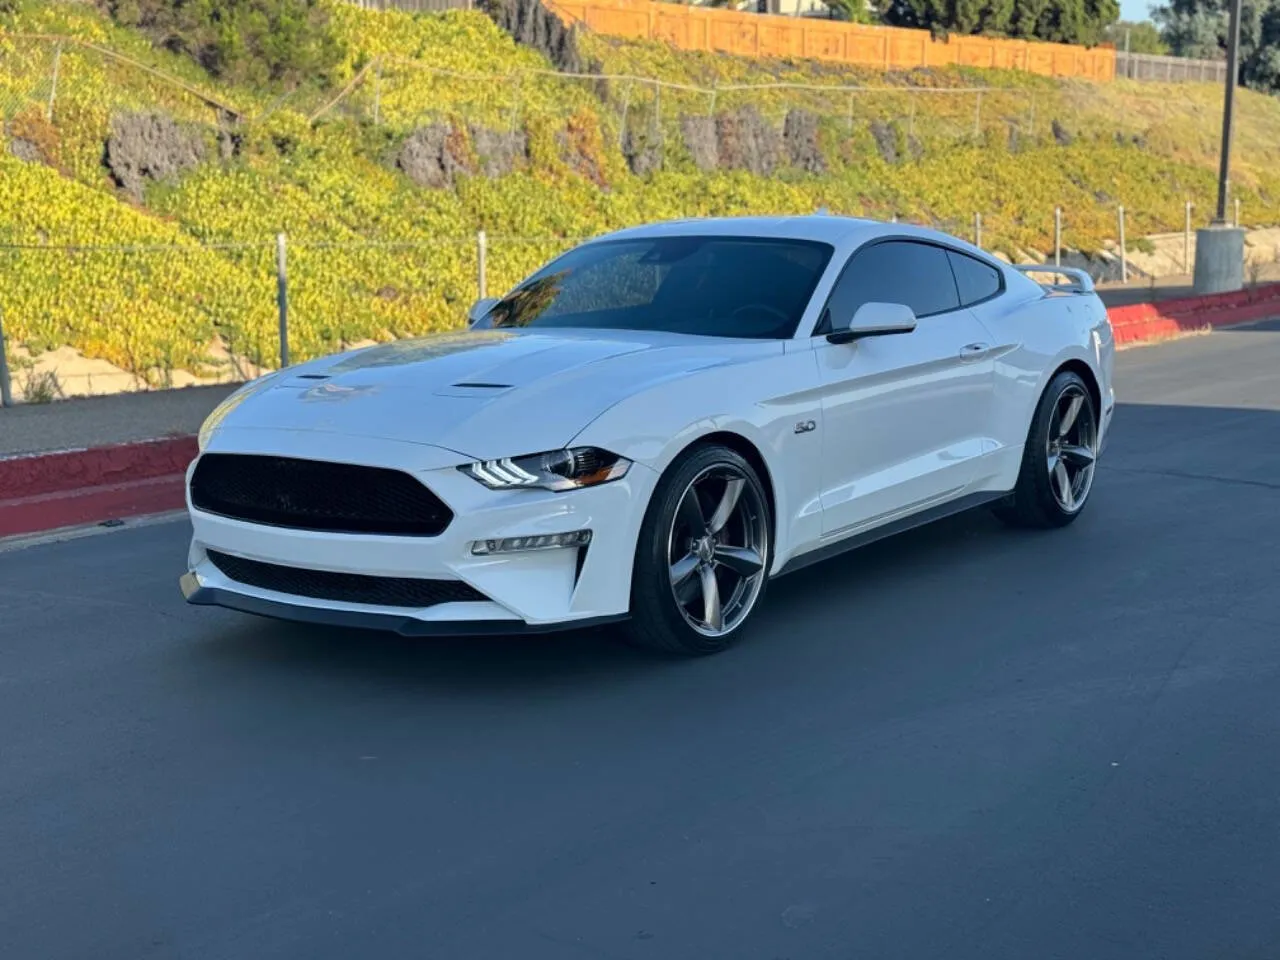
<point x="965" y="742"/>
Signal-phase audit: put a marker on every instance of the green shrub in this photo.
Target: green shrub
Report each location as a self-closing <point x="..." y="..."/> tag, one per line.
<point x="278" y="43"/>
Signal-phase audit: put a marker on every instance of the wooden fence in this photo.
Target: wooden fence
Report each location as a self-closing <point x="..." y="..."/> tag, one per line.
<point x="890" y="48"/>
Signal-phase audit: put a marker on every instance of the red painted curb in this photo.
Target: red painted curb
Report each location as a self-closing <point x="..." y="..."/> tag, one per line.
<point x="43" y="473"/>
<point x="1146" y="321"/>
<point x="72" y="487"/>
<point x="91" y="505"/>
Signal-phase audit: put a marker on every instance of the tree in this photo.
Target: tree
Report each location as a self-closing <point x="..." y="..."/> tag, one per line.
<point x="1061" y="21"/>
<point x="1198" y="28"/>
<point x="278" y="43"/>
<point x="853" y="11"/>
<point x="1143" y="36"/>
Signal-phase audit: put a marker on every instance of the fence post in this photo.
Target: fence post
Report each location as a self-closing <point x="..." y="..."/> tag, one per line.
<point x="377" y="93"/>
<point x="626" y="106"/>
<point x="53" y="88"/>
<point x="977" y="229"/>
<point x="6" y="394"/>
<point x="911" y="115"/>
<point x="1057" y="236"/>
<point x="1237" y="213"/>
<point x="517" y="102"/>
<point x="1186" y="240"/>
<point x="482" y="258"/>
<point x="1031" y="126"/>
<point x="850" y="113"/>
<point x="1124" y="257"/>
<point x="282" y="297"/>
<point x="977" y="116"/>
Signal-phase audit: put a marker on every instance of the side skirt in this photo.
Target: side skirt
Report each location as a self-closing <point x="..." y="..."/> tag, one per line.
<point x="893" y="527"/>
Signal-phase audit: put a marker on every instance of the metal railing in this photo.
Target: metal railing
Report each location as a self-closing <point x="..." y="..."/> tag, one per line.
<point x="1154" y="67"/>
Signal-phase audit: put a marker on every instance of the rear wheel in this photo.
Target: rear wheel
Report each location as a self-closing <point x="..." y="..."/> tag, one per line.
<point x="702" y="558"/>
<point x="1058" y="461"/>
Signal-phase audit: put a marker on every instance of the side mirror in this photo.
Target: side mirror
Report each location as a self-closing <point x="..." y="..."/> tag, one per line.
<point x="875" y="320"/>
<point x="479" y="309"/>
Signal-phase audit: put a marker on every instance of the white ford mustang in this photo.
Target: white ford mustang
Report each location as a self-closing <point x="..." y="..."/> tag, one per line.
<point x="650" y="428"/>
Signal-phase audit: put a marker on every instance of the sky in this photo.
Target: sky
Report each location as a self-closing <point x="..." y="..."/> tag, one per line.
<point x="1134" y="9"/>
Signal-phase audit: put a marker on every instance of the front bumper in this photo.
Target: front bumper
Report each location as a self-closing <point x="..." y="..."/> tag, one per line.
<point x="526" y="591"/>
<point x="405" y="625"/>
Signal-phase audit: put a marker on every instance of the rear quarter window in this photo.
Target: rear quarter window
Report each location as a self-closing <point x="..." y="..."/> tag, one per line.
<point x="976" y="280"/>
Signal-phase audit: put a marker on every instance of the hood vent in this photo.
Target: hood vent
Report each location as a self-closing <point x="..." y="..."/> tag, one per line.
<point x="483" y="386"/>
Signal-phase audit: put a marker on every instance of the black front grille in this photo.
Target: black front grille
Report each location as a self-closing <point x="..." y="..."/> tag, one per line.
<point x="344" y="587"/>
<point x="316" y="495"/>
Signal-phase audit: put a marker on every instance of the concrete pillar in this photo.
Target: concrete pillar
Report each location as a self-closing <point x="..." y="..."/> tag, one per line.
<point x="1219" y="259"/>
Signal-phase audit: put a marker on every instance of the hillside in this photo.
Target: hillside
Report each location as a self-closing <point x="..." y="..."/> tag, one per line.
<point x="441" y="125"/>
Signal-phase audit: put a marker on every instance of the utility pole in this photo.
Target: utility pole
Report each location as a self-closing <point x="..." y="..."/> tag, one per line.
<point x="1228" y="111"/>
<point x="1220" y="246"/>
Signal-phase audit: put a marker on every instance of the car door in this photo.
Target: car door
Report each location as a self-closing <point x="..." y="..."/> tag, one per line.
<point x="905" y="416"/>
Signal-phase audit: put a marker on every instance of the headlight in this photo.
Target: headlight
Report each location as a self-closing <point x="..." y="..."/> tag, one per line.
<point x="556" y="470"/>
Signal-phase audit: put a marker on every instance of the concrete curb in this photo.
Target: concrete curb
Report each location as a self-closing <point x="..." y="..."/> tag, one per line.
<point x="49" y="491"/>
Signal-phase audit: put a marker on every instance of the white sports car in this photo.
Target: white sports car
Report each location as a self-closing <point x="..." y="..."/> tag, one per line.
<point x="650" y="428"/>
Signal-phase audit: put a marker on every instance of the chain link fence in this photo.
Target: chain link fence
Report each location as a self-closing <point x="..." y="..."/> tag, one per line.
<point x="56" y="73"/>
<point x="84" y="320"/>
<point x="87" y="320"/>
<point x="655" y="122"/>
<point x="1164" y="69"/>
<point x="663" y="115"/>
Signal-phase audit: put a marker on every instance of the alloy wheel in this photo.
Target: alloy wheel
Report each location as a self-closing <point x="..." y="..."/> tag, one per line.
<point x="717" y="550"/>
<point x="1072" y="448"/>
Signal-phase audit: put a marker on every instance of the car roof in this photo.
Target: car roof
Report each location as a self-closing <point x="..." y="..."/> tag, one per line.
<point x="840" y="231"/>
<point x="816" y="227"/>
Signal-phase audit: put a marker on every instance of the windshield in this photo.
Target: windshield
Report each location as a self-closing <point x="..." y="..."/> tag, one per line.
<point x="707" y="286"/>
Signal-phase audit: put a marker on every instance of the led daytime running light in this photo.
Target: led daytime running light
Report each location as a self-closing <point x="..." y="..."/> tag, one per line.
<point x="543" y="541"/>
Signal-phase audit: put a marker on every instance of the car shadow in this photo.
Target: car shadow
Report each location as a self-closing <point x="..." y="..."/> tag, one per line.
<point x="586" y="658"/>
<point x="489" y="662"/>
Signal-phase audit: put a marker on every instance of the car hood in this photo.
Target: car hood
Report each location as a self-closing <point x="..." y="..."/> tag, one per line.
<point x="483" y="394"/>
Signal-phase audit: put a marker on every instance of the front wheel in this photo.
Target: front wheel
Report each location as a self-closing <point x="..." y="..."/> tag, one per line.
<point x="703" y="554"/>
<point x="1058" y="461"/>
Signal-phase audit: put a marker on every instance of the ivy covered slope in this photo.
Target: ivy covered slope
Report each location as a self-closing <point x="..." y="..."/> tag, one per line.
<point x="435" y="126"/>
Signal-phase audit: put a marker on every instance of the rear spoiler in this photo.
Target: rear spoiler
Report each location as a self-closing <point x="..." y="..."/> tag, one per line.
<point x="1078" y="281"/>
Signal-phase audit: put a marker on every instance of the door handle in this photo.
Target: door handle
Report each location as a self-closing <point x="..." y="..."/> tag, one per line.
<point x="974" y="351"/>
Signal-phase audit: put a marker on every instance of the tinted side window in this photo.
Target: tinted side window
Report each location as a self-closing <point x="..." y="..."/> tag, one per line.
<point x="976" y="280"/>
<point x="897" y="271"/>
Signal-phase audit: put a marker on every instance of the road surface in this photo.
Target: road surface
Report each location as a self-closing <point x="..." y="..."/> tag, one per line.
<point x="964" y="743"/>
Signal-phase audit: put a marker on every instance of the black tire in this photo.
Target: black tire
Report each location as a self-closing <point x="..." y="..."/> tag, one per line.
<point x="1035" y="501"/>
<point x="658" y="621"/>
